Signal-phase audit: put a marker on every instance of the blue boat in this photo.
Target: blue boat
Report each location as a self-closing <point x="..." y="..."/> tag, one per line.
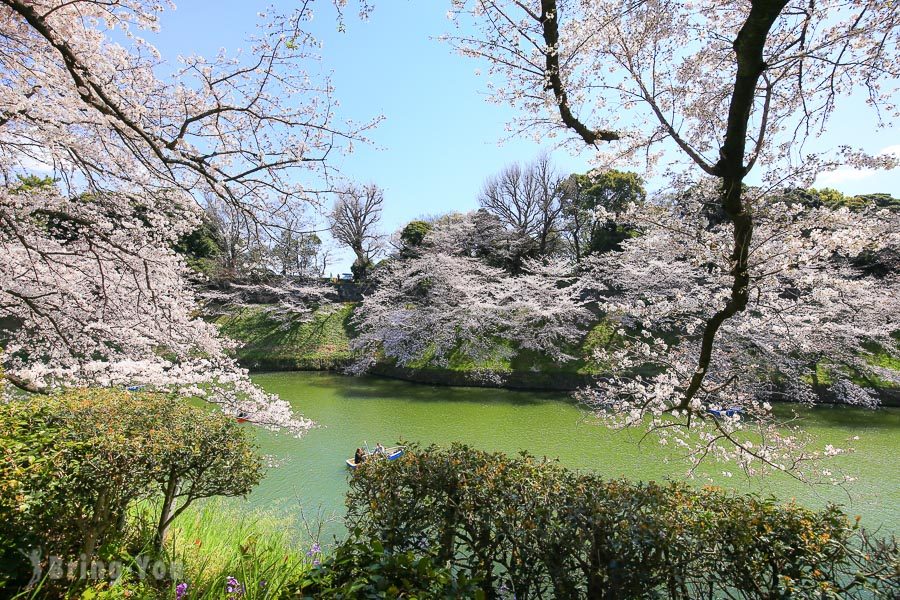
<point x="388" y="453"/>
<point x="727" y="412"/>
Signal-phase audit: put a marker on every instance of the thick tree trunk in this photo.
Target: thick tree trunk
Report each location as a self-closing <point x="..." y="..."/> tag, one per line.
<point x="23" y="384"/>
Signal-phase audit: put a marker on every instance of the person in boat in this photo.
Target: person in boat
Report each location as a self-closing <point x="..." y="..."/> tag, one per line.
<point x="379" y="449"/>
<point x="359" y="457"/>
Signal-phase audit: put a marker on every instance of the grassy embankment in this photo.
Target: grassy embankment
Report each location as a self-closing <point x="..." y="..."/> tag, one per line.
<point x="323" y="343"/>
<point x="271" y="344"/>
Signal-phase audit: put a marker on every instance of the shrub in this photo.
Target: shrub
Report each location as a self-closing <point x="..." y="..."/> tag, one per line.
<point x="70" y="469"/>
<point x="538" y="530"/>
<point x="412" y="236"/>
<point x="360" y="569"/>
<point x="193" y="454"/>
<point x="72" y="464"/>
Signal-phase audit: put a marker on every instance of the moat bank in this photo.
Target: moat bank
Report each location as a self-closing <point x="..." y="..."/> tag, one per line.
<point x="322" y="343"/>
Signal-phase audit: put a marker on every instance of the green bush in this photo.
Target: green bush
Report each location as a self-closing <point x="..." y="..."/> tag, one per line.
<point x="538" y="530"/>
<point x="73" y="464"/>
<point x="412" y="236"/>
<point x="70" y="469"/>
<point x="360" y="569"/>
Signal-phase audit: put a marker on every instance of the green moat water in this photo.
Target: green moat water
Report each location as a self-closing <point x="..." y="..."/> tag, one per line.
<point x="349" y="411"/>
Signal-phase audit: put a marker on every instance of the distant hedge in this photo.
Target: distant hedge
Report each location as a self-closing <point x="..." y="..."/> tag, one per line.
<point x="528" y="528"/>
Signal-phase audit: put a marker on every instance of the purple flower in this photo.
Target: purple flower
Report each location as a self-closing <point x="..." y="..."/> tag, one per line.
<point x="180" y="590"/>
<point x="315" y="549"/>
<point x="233" y="586"/>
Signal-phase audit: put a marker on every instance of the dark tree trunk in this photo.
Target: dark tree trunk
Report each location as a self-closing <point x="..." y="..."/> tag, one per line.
<point x="731" y="169"/>
<point x="166" y="513"/>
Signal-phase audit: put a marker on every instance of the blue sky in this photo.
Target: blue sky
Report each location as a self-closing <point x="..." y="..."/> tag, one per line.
<point x="440" y="138"/>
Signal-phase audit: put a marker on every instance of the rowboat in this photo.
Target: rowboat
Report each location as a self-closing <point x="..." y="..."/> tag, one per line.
<point x="389" y="454"/>
<point x="727" y="412"/>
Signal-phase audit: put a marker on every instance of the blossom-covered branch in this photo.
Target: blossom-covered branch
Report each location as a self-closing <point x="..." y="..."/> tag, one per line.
<point x="754" y="83"/>
<point x="813" y="317"/>
<point x="105" y="166"/>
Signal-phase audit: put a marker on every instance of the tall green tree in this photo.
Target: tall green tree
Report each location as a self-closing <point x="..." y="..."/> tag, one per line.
<point x="586" y="229"/>
<point x="411" y="238"/>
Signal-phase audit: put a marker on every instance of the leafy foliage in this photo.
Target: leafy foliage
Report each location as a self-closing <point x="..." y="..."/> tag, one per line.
<point x="73" y="464"/>
<point x="411" y="237"/>
<point x="537" y="530"/>
<point x="589" y="203"/>
<point x="267" y="553"/>
<point x="361" y="568"/>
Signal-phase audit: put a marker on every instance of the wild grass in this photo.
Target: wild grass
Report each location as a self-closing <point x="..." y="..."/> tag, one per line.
<point x="219" y="540"/>
<point x="216" y="550"/>
<point x="207" y="546"/>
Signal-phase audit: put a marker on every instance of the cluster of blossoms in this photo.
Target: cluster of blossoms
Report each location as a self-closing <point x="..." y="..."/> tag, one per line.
<point x="761" y="280"/>
<point x="98" y="301"/>
<point x="285" y="300"/>
<point x="447" y="300"/>
<point x="569" y="66"/>
<point x="314" y="552"/>
<point x="233" y="588"/>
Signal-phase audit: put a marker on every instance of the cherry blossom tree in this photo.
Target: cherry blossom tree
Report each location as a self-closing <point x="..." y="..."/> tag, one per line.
<point x="813" y="318"/>
<point x="89" y="277"/>
<point x="446" y="300"/>
<point x="755" y="81"/>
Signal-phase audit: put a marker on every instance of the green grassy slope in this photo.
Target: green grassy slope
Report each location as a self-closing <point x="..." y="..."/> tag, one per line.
<point x="268" y="343"/>
<point x="323" y="343"/>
